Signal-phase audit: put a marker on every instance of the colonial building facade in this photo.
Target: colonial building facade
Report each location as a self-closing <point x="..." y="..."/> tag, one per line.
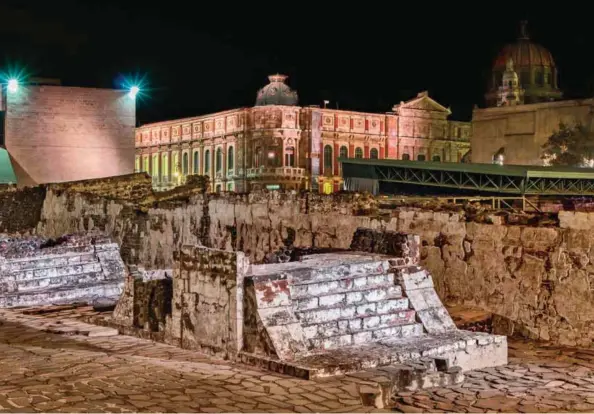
<point x="277" y="144"/>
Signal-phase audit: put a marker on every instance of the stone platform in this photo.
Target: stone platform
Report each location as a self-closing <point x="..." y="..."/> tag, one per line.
<point x="332" y="314"/>
<point x="72" y="269"/>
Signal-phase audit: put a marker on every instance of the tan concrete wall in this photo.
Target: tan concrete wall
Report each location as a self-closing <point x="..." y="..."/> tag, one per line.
<point x="522" y="129"/>
<point x="57" y="134"/>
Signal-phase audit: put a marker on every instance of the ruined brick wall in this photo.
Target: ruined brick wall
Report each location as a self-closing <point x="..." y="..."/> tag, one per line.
<point x="20" y="211"/>
<point x="208" y="299"/>
<point x="539" y="277"/>
<point x="56" y="134"/>
<point x="131" y="187"/>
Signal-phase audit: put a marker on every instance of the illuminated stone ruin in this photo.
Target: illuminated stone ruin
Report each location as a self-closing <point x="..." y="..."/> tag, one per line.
<point x="71" y="269"/>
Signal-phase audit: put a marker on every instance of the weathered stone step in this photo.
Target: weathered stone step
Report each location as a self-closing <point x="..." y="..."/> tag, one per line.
<point x="318" y="288"/>
<point x="58" y="271"/>
<point x="55" y="281"/>
<point x="336" y="270"/>
<point x="349" y="284"/>
<point x="339" y="311"/>
<point x="387" y="292"/>
<point x="61" y="295"/>
<point x="356" y="325"/>
<point x="367" y="336"/>
<point x="43" y="262"/>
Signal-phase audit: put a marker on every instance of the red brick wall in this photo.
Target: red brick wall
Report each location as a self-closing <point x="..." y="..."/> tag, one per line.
<point x="57" y="134"/>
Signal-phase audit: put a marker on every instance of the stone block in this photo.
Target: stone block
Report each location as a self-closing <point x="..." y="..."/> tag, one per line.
<point x="288" y="340"/>
<point x="421" y="299"/>
<point x="413" y="277"/>
<point x="436" y="320"/>
<point x="273" y="293"/>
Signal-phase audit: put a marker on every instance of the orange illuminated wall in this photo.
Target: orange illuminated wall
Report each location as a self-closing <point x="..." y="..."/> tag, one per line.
<point x="57" y="134"/>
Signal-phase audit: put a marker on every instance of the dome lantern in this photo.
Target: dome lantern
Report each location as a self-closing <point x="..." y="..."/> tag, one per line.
<point x="534" y="65"/>
<point x="277" y="92"/>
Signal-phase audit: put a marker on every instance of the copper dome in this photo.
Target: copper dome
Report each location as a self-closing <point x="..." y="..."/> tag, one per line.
<point x="534" y="66"/>
<point x="524" y="53"/>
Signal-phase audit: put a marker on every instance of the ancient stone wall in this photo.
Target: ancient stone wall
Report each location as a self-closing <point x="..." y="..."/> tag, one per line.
<point x="20" y="211"/>
<point x="538" y="277"/>
<point x="207" y="300"/>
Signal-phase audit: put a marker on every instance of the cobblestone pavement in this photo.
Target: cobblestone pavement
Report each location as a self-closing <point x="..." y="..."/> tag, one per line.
<point x="49" y="369"/>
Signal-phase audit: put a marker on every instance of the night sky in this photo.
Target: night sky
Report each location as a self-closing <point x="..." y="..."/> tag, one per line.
<point x="198" y="57"/>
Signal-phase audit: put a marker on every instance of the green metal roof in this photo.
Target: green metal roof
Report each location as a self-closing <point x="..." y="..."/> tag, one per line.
<point x="6" y="171"/>
<point x="509" y="170"/>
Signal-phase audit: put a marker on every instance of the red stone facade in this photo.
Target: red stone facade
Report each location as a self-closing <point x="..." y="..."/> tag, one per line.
<point x="293" y="147"/>
<point x="57" y="134"/>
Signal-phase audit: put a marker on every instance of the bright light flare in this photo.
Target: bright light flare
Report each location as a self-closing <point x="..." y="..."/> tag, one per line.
<point x="134" y="90"/>
<point x="13" y="85"/>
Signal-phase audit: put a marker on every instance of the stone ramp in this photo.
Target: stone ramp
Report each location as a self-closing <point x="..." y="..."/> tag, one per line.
<point x="78" y="269"/>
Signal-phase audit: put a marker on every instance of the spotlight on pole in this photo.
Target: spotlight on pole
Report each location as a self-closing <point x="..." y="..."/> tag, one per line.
<point x="133" y="92"/>
<point x="13" y="85"/>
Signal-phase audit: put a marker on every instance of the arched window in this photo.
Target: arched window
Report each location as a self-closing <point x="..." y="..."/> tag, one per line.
<point x="155" y="165"/>
<point x="230" y="159"/>
<point x="165" y="165"/>
<point x="207" y="162"/>
<point x="219" y="160"/>
<point x="258" y="157"/>
<point x="436" y="158"/>
<point x="290" y="157"/>
<point x="421" y="157"/>
<point x="327" y="158"/>
<point x="406" y="157"/>
<point x="196" y="162"/>
<point x="373" y="154"/>
<point x="185" y="163"/>
<point x="358" y="153"/>
<point x="175" y="164"/>
<point x="344" y="152"/>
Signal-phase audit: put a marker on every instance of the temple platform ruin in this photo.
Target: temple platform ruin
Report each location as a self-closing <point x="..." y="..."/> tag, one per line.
<point x="331" y="314"/>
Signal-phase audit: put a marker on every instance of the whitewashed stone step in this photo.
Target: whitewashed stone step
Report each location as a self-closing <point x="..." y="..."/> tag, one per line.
<point x="318" y="288"/>
<point x="349" y="297"/>
<point x="340" y="311"/>
<point x="339" y="271"/>
<point x="56" y="281"/>
<point x="61" y="295"/>
<point x="368" y="336"/>
<point x="48" y="262"/>
<point x="58" y="271"/>
<point x="355" y="325"/>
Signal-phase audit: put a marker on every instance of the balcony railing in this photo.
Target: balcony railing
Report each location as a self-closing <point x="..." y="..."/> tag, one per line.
<point x="286" y="172"/>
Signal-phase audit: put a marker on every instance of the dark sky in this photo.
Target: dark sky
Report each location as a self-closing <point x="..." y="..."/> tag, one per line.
<point x="198" y="57"/>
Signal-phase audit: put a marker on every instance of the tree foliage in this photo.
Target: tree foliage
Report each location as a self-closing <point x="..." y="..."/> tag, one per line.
<point x="570" y="146"/>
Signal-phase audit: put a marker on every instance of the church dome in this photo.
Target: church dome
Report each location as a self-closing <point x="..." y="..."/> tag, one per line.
<point x="524" y="53"/>
<point x="535" y="67"/>
<point x="277" y="92"/>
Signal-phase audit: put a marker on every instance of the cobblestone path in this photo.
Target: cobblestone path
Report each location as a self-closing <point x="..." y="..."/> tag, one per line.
<point x="44" y="369"/>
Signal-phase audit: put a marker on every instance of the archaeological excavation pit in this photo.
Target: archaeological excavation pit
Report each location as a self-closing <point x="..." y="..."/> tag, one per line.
<point x="322" y="315"/>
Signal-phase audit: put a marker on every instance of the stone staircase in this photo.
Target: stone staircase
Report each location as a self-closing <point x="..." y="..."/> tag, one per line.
<point x="80" y="272"/>
<point x="338" y="313"/>
<point x="358" y="304"/>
